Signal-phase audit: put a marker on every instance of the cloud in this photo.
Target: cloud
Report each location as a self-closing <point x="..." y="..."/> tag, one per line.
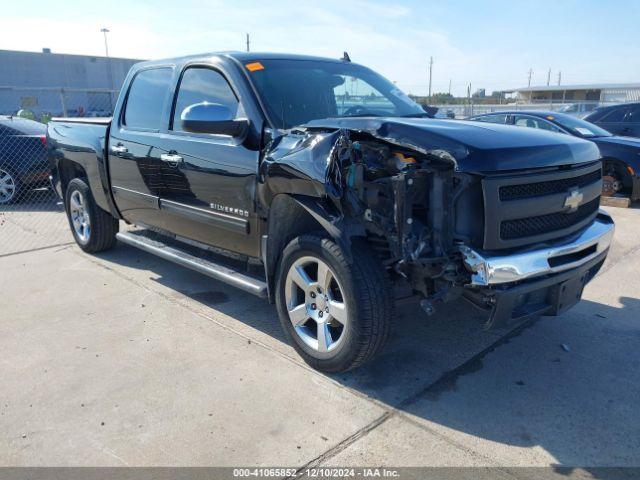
<point x="80" y="36"/>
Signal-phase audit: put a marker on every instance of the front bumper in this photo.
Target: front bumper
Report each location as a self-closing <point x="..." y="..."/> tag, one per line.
<point x="545" y="281"/>
<point x="489" y="269"/>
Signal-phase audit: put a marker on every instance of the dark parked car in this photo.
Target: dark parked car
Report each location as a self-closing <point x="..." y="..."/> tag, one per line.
<point x="620" y="155"/>
<point x="621" y="119"/>
<point x="330" y="203"/>
<point x="23" y="157"/>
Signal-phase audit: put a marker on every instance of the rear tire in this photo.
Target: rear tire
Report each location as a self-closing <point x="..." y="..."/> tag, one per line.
<point x="336" y="324"/>
<point x="616" y="179"/>
<point x="94" y="230"/>
<point x="10" y="187"/>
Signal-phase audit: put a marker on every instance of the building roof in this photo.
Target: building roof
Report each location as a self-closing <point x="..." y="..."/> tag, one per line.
<point x="592" y="86"/>
<point x="56" y="54"/>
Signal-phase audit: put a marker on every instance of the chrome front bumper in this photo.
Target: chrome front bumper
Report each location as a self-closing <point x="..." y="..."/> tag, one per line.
<point x="488" y="269"/>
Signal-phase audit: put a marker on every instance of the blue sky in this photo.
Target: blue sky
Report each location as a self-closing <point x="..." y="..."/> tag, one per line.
<point x="490" y="44"/>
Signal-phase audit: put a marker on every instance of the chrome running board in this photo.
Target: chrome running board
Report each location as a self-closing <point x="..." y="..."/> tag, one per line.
<point x="198" y="260"/>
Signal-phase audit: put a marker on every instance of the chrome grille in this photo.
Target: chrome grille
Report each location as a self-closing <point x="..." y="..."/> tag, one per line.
<point x="528" y="190"/>
<point x="536" y="207"/>
<point x="532" y="226"/>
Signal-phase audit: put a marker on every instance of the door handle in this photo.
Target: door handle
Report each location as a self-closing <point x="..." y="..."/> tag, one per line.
<point x="173" y="158"/>
<point x="117" y="149"/>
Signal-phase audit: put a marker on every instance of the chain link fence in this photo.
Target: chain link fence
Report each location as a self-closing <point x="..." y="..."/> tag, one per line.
<point x="31" y="214"/>
<point x="465" y="110"/>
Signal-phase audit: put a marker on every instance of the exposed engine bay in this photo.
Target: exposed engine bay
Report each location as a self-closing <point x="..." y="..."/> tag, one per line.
<point x="404" y="200"/>
<point x="434" y="217"/>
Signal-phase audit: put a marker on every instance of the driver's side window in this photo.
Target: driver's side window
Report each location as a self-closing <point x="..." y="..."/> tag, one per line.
<point x="355" y="96"/>
<point x="199" y="85"/>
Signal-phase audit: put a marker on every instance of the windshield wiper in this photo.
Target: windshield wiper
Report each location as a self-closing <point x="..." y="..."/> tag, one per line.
<point x="361" y="115"/>
<point x="417" y="115"/>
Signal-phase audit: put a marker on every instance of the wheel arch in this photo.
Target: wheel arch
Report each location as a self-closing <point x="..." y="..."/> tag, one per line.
<point x="293" y="215"/>
<point x="68" y="170"/>
<point x="621" y="168"/>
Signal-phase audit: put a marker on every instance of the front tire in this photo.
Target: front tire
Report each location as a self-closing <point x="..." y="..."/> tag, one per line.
<point x="94" y="230"/>
<point x="616" y="179"/>
<point x="337" y="314"/>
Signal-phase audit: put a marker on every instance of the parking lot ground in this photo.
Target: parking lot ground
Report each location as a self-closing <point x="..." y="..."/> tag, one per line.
<point x="125" y="359"/>
<point x="37" y="223"/>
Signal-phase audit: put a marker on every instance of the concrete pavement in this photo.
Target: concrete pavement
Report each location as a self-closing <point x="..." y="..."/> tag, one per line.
<point x="124" y="359"/>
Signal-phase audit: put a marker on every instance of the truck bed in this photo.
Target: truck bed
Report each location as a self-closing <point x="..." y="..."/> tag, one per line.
<point x="81" y="142"/>
<point x="88" y="120"/>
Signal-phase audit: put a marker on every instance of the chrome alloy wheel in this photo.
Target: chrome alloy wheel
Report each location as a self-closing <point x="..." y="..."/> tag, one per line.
<point x="316" y="304"/>
<point x="80" y="216"/>
<point x="7" y="186"/>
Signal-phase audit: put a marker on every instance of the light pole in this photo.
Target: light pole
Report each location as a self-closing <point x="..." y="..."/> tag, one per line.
<point x="106" y="45"/>
<point x="110" y="75"/>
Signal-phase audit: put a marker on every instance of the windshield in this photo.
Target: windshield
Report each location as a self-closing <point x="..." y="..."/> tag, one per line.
<point x="582" y="128"/>
<point x="295" y="92"/>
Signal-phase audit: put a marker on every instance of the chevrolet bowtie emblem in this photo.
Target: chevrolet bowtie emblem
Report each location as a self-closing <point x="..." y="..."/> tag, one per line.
<point x="573" y="200"/>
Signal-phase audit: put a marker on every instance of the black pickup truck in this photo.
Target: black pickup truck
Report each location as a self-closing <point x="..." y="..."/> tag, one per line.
<point x="319" y="185"/>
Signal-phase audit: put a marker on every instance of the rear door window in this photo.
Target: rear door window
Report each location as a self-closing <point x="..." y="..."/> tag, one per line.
<point x="5" y="131"/>
<point x="498" y="118"/>
<point x="146" y="99"/>
<point x="18" y="126"/>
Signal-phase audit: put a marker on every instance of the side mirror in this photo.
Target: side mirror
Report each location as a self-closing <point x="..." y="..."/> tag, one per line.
<point x="212" y="118"/>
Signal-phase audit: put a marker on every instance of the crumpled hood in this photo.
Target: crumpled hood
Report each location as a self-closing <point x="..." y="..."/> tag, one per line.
<point x="475" y="146"/>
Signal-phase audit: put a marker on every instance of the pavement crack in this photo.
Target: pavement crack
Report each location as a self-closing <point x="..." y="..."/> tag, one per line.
<point x="344" y="444"/>
<point x="36" y="249"/>
<point x="454" y="373"/>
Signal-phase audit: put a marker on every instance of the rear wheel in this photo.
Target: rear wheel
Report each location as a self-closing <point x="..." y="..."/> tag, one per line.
<point x="9" y="187"/>
<point x="93" y="229"/>
<point x="336" y="314"/>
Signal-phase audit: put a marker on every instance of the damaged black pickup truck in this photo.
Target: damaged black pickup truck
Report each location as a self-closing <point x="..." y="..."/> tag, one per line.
<point x="318" y="184"/>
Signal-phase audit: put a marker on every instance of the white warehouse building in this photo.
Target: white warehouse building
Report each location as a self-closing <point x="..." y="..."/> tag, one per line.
<point x="593" y="93"/>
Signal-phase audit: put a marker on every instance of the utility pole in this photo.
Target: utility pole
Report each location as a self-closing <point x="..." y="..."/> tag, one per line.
<point x="530" y="72"/>
<point x="449" y="86"/>
<point x="430" y="76"/>
<point x="549" y="77"/>
<point x="109" y="72"/>
<point x="247" y="42"/>
<point x="559" y="77"/>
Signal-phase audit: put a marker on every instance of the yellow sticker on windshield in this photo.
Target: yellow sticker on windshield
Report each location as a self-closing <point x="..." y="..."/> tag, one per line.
<point x="254" y="66"/>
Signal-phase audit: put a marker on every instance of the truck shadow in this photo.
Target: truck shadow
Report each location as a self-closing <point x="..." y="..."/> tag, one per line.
<point x="567" y="385"/>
